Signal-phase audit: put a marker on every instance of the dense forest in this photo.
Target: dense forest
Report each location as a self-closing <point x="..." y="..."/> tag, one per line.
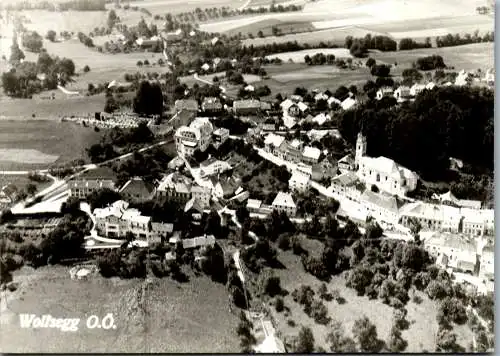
<point x="422" y="135"/>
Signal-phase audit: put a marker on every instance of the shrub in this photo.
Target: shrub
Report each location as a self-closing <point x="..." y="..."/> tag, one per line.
<point x="86" y="69"/>
<point x="279" y="305"/>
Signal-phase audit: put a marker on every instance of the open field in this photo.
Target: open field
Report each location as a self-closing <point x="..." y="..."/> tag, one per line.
<point x="63" y="141"/>
<point x="298" y="56"/>
<point x="422" y="317"/>
<point x="161" y="7"/>
<point x="266" y="26"/>
<point x="21" y="181"/>
<point x="168" y="317"/>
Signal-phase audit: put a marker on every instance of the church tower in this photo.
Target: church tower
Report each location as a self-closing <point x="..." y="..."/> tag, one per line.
<point x="360" y="148"/>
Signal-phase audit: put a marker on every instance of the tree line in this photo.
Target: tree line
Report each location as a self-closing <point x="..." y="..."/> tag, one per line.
<point x="75" y="5"/>
<point x="451" y="40"/>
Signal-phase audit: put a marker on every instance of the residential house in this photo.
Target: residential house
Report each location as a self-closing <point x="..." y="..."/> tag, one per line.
<point x="219" y="136"/>
<point x="249" y="88"/>
<point x="253" y="205"/>
<point x="383" y="172"/>
<point x="450" y="199"/>
<point x="381" y="206"/>
<point x="311" y="155"/>
<point x="197" y="242"/>
<point x="347" y="164"/>
<point x="176" y="163"/>
<point x="175" y="187"/>
<point x="92" y="181"/>
<point x="137" y="189"/>
<point x="193" y="209"/>
<point x="478" y="222"/>
<point x="348" y="103"/>
<point x="173" y="36"/>
<point x="211" y="105"/>
<point x="317" y="135"/>
<point x="487" y="263"/>
<point x="384" y="92"/>
<point x="416" y="89"/>
<point x="346" y="184"/>
<point x="247" y="107"/>
<point x="490" y="76"/>
<point x="213" y="166"/>
<point x="272" y="143"/>
<point x="196" y="136"/>
<point x="186" y="104"/>
<point x="299" y="181"/>
<point x="291" y="112"/>
<point x="334" y="101"/>
<point x="321" y="118"/>
<point x="291" y="151"/>
<point x="460" y="252"/>
<point x="296" y="98"/>
<point x="402" y="93"/>
<point x="320" y="96"/>
<point x="181" y="118"/>
<point x="284" y="203"/>
<point x="432" y="217"/>
<point x="224" y="187"/>
<point x="430" y="85"/>
<point x="160" y="231"/>
<point x="202" y="195"/>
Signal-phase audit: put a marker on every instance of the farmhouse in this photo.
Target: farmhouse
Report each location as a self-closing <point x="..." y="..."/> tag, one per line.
<point x="148" y="43"/>
<point x="196" y="136"/>
<point x="383" y="172"/>
<point x="284" y="203"/>
<point x="460" y="253"/>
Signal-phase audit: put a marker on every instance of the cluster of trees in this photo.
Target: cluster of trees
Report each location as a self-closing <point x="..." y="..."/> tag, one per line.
<point x="258" y="92"/>
<point x="360" y="46"/>
<point x="409" y="43"/>
<point x="32" y="41"/>
<point x="278" y="181"/>
<point x="86" y="40"/>
<point x="22" y="81"/>
<point x="148" y="99"/>
<point x="430" y="63"/>
<point x="422" y="135"/>
<point x="451" y="40"/>
<point x="319" y="59"/>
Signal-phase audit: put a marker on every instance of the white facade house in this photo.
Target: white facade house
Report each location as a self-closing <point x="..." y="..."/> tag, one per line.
<point x="345" y="184"/>
<point x="402" y="93"/>
<point x="284" y="203"/>
<point x="478" y="222"/>
<point x="311" y="155"/>
<point x="460" y="253"/>
<point x="487" y="263"/>
<point x="299" y="181"/>
<point x="320" y="119"/>
<point x="383" y="172"/>
<point x="332" y="100"/>
<point x="463" y="78"/>
<point x="196" y="136"/>
<point x="348" y="103"/>
<point x="385" y="92"/>
<point x="382" y="207"/>
<point x="213" y="166"/>
<point x="433" y="217"/>
<point x="416" y="89"/>
<point x="220" y="136"/>
<point x="272" y="142"/>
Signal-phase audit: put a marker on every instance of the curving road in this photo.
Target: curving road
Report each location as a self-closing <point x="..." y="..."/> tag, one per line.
<point x="195" y="75"/>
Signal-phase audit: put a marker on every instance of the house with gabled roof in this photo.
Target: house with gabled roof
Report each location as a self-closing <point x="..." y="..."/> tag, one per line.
<point x="311" y="155"/>
<point x="347" y="163"/>
<point x="137" y="189"/>
<point x="383" y="207"/>
<point x="272" y="143"/>
<point x="460" y="252"/>
<point x="284" y="203"/>
<point x="384" y="92"/>
<point x="186" y="104"/>
<point x="433" y="217"/>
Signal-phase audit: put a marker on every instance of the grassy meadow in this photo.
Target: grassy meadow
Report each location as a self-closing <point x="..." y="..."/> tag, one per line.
<point x="166" y="317"/>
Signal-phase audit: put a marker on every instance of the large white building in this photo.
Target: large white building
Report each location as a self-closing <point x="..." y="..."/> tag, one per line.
<point x="284" y="203"/>
<point x="459" y="253"/>
<point x="196" y="136"/>
<point x="299" y="180"/>
<point x="383" y="172"/>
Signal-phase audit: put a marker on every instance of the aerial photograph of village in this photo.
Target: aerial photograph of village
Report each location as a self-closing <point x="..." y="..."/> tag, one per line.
<point x="247" y="176"/>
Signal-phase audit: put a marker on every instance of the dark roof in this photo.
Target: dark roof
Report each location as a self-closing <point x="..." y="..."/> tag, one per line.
<point x="137" y="187"/>
<point x="189" y="104"/>
<point x="98" y="173"/>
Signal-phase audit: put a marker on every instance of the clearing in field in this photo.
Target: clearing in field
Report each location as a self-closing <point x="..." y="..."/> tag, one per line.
<point x="27" y="156"/>
<point x="422" y="317"/>
<point x="165" y="316"/>
<point x="162" y="7"/>
<point x="298" y="56"/>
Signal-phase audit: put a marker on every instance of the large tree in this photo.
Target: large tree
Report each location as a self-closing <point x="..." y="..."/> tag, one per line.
<point x="148" y="99"/>
<point x="365" y="332"/>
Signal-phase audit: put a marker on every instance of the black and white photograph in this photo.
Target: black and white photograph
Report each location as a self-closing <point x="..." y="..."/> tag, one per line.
<point x="247" y="176"/>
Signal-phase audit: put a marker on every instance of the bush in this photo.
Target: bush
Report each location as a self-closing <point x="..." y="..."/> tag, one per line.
<point x="86" y="69"/>
<point x="284" y="242"/>
<point x="291" y="323"/>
